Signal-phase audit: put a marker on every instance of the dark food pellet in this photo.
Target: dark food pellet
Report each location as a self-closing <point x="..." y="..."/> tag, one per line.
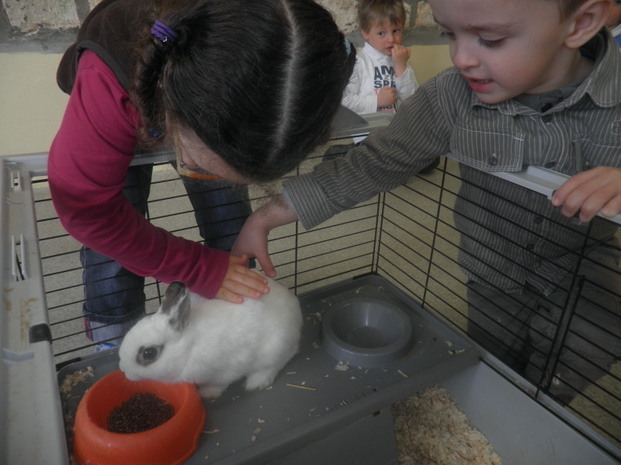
<point x="141" y="412"/>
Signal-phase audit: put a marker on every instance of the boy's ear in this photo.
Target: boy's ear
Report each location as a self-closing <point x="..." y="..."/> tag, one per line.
<point x="586" y="22"/>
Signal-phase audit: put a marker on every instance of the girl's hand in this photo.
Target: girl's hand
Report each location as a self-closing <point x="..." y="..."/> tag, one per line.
<point x="240" y="281"/>
<point x="591" y="192"/>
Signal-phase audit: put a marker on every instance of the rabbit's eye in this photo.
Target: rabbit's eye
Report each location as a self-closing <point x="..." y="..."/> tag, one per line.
<point x="147" y="355"/>
<point x="150" y="353"/>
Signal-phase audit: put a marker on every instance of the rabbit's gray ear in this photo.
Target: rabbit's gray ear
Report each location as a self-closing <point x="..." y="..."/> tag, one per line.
<point x="176" y="304"/>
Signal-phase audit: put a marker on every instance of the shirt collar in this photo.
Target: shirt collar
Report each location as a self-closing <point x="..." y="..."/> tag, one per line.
<point x="604" y="82"/>
<point x="374" y="53"/>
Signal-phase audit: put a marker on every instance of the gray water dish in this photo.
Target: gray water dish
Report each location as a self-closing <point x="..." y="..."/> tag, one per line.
<point x="366" y="332"/>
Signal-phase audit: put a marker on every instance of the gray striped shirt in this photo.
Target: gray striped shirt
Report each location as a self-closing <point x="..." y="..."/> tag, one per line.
<point x="510" y="235"/>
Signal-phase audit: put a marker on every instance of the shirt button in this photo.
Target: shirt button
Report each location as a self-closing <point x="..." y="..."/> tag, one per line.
<point x="550" y="164"/>
<point x="538" y="219"/>
<point x="493" y="160"/>
<point x="530" y="246"/>
<point x="546" y="119"/>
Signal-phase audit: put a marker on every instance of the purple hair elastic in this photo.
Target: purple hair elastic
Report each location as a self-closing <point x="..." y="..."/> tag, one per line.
<point x="161" y="31"/>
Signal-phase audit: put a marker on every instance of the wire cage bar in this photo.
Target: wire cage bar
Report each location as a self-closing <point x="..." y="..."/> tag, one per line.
<point x="419" y="251"/>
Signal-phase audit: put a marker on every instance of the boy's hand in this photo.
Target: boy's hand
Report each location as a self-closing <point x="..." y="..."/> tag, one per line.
<point x="240" y="282"/>
<point x="386" y="97"/>
<point x="591" y="192"/>
<point x="400" y="56"/>
<point x="252" y="242"/>
<point x="252" y="239"/>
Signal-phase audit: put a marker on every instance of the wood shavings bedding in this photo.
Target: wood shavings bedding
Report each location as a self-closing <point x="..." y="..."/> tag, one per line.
<point x="432" y="430"/>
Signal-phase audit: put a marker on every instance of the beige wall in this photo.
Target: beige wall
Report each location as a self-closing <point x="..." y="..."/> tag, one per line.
<point x="429" y="60"/>
<point x="31" y="105"/>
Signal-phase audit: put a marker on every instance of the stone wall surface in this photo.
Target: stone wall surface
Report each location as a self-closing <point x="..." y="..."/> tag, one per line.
<point x="27" y="17"/>
<point x="49" y="25"/>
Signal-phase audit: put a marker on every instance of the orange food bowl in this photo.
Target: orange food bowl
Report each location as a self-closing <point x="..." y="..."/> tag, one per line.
<point x="170" y="443"/>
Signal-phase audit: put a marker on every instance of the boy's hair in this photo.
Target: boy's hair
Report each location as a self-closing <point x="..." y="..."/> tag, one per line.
<point x="372" y="12"/>
<point x="567" y="7"/>
<point x="258" y="82"/>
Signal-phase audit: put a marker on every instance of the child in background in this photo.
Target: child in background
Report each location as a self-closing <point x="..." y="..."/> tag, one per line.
<point x="382" y="77"/>
<point x="191" y="76"/>
<point x="534" y="82"/>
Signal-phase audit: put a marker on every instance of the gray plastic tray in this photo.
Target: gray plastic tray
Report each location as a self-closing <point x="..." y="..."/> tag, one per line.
<point x="315" y="396"/>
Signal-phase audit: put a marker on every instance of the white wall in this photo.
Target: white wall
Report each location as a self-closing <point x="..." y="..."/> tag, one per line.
<point x="31" y="105"/>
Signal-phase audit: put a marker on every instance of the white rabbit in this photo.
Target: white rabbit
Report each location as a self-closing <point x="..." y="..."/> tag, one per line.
<point x="213" y="343"/>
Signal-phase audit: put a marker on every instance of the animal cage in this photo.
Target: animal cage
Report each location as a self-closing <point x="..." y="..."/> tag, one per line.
<point x="401" y="244"/>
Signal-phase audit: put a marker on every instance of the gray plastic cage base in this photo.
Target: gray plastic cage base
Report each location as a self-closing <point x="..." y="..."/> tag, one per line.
<point x="519" y="428"/>
<point x="316" y="396"/>
<point x="322" y="411"/>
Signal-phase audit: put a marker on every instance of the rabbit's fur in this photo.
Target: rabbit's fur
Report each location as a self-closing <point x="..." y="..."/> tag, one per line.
<point x="213" y="343"/>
